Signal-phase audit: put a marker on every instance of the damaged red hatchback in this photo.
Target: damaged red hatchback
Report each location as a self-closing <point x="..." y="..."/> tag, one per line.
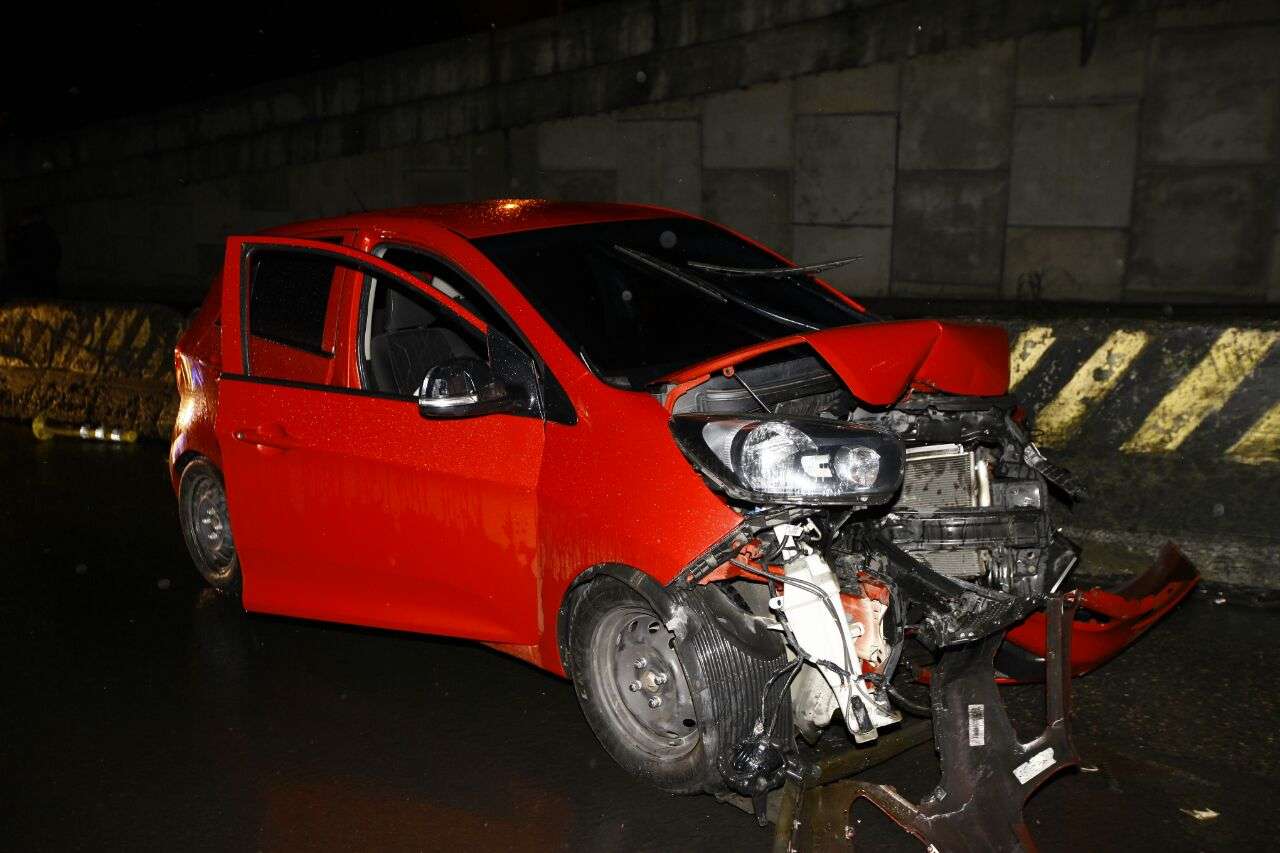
<point x="635" y="448"/>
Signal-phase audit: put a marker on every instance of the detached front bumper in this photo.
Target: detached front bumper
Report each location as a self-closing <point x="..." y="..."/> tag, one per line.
<point x="1106" y="621"/>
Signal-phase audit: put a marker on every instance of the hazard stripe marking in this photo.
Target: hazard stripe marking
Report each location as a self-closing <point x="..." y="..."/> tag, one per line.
<point x="1203" y="391"/>
<point x="1261" y="443"/>
<point x="1058" y="421"/>
<point x="1027" y="351"/>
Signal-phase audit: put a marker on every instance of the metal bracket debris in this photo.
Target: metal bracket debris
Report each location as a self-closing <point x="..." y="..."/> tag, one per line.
<point x="1056" y="474"/>
<point x="987" y="773"/>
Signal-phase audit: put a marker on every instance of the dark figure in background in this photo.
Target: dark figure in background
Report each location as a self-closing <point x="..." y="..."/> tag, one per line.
<point x="33" y="253"/>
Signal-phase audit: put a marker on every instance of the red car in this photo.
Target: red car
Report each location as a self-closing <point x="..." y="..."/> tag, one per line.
<point x="628" y="446"/>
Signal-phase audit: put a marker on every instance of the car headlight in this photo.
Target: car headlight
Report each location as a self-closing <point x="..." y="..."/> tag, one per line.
<point x="793" y="460"/>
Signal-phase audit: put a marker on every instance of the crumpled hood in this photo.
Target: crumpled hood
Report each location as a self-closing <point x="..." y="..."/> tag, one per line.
<point x="879" y="362"/>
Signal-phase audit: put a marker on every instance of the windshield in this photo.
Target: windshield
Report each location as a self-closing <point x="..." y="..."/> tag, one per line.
<point x="625" y="297"/>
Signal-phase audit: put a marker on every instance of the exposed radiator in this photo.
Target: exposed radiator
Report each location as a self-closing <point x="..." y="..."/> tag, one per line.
<point x="955" y="564"/>
<point x="939" y="476"/>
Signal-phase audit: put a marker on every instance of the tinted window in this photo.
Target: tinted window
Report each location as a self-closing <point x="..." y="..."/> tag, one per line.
<point x="289" y="297"/>
<point x="447" y="280"/>
<point x="624" y="296"/>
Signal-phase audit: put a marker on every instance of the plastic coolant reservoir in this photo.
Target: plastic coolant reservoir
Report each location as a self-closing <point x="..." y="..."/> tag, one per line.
<point x="830" y="639"/>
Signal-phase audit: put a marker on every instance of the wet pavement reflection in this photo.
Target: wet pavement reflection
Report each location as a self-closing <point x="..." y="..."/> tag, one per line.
<point x="139" y="710"/>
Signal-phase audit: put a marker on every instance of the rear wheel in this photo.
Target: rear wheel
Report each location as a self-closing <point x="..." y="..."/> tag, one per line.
<point x="206" y="527"/>
<point x="633" y="680"/>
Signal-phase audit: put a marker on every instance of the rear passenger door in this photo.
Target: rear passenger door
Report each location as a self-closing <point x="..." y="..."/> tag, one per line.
<point x="346" y="504"/>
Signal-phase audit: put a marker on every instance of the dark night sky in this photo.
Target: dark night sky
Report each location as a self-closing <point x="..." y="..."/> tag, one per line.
<point x="65" y="66"/>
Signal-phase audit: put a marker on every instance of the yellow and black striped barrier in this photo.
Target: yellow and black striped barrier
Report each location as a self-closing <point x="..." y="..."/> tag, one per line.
<point x="90" y="363"/>
<point x="1150" y="387"/>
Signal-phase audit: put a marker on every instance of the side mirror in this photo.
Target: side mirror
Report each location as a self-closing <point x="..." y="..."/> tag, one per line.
<point x="462" y="388"/>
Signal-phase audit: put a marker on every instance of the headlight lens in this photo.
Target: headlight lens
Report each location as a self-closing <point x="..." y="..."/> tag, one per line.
<point x="768" y="455"/>
<point x="858" y="466"/>
<point x="804" y="461"/>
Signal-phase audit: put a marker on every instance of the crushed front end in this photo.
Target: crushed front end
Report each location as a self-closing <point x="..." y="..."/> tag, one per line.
<point x="925" y="520"/>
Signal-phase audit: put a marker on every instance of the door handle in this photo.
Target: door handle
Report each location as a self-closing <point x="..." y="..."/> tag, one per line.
<point x="272" y="435"/>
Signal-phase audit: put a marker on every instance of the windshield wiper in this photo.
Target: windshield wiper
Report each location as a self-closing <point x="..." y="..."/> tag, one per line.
<point x="709" y="289"/>
<point x="772" y="272"/>
<point x="675" y="272"/>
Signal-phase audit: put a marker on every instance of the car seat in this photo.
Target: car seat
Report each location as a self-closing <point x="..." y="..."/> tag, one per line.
<point x="410" y="344"/>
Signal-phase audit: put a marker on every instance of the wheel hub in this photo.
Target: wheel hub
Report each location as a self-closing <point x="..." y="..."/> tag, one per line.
<point x="212" y="527"/>
<point x="651" y="682"/>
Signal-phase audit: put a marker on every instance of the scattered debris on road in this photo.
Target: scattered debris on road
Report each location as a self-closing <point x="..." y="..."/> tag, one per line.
<point x="1200" y="814"/>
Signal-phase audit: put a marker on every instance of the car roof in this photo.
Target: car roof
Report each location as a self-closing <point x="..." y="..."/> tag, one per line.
<point x="478" y="219"/>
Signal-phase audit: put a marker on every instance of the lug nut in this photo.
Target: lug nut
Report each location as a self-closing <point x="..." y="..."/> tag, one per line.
<point x="655" y="701"/>
<point x="633" y="686"/>
<point x="660" y="679"/>
<point x="641" y="663"/>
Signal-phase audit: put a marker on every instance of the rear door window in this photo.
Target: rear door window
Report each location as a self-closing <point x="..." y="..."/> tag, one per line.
<point x="293" y="299"/>
<point x="290" y="299"/>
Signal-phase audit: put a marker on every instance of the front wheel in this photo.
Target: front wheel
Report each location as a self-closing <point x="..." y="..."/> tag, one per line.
<point x="206" y="527"/>
<point x="632" y="682"/>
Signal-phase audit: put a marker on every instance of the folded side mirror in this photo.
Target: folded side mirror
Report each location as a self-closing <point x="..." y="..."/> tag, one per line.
<point x="462" y="388"/>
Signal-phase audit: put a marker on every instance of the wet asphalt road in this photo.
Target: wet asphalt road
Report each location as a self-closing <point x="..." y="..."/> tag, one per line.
<point x="140" y="711"/>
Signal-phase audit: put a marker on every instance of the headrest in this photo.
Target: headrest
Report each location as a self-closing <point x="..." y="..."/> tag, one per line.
<point x="404" y="312"/>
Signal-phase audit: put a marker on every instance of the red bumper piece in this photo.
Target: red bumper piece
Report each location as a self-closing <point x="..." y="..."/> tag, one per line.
<point x="1106" y="621"/>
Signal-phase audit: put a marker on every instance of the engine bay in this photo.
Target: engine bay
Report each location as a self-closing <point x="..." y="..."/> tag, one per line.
<point x="959" y="550"/>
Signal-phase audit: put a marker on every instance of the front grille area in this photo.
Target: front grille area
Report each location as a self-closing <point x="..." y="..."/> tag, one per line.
<point x="939" y="476"/>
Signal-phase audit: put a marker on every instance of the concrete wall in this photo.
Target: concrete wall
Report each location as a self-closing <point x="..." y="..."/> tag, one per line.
<point x="959" y="146"/>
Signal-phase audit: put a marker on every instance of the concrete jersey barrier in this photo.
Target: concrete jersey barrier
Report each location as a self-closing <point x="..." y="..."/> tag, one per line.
<point x="90" y="363"/>
<point x="1174" y="426"/>
<point x="1144" y="388"/>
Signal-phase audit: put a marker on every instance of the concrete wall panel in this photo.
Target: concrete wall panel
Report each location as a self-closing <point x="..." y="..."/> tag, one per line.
<point x="947" y="228"/>
<point x="845" y="169"/>
<point x="856" y="90"/>
<point x="956" y="109"/>
<point x="1202" y="232"/>
<point x="1049" y="69"/>
<point x="749" y="129"/>
<point x="580" y="143"/>
<point x="1067" y="264"/>
<point x="756" y="202"/>
<point x="1073" y="166"/>
<point x="659" y="162"/>
<point x="1213" y="96"/>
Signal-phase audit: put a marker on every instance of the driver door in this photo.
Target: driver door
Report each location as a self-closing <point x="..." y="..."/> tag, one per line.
<point x="349" y="504"/>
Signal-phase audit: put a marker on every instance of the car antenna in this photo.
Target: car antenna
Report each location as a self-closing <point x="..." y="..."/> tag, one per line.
<point x="359" y="201"/>
<point x="730" y="372"/>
